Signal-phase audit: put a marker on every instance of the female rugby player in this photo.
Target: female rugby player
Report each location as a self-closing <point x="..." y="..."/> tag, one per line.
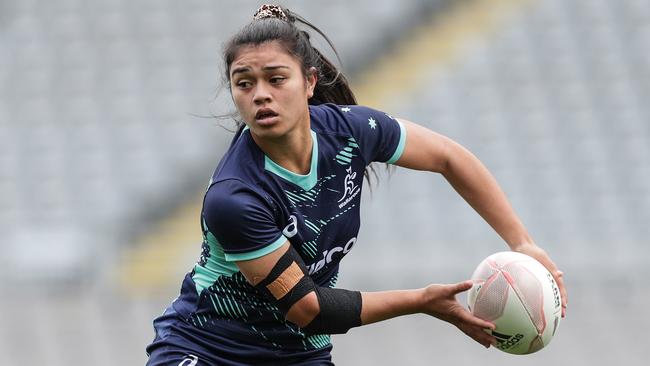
<point x="282" y="210"/>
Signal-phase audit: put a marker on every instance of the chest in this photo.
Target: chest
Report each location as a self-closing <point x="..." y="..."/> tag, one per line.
<point x="322" y="221"/>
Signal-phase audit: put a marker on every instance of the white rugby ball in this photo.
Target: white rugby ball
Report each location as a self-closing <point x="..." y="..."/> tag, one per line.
<point x="519" y="295"/>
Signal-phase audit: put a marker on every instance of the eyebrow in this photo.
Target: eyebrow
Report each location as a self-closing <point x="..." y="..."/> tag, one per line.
<point x="265" y="68"/>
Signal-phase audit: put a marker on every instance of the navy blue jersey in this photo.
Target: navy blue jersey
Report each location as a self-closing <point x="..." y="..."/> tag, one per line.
<point x="253" y="206"/>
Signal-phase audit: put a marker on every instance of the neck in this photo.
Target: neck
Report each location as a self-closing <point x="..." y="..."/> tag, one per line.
<point x="292" y="151"/>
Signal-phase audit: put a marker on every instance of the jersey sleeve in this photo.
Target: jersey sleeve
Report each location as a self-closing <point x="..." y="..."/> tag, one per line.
<point x="241" y="220"/>
<point x="380" y="136"/>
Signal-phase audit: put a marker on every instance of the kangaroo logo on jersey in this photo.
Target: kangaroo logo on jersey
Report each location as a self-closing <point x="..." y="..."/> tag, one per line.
<point x="351" y="189"/>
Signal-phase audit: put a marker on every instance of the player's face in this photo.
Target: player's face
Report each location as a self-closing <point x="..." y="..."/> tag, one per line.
<point x="270" y="90"/>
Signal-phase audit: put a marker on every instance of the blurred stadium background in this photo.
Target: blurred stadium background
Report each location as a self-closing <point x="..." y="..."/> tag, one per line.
<point x="104" y="154"/>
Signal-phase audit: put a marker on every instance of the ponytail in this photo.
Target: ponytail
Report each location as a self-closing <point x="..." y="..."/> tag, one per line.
<point x="337" y="90"/>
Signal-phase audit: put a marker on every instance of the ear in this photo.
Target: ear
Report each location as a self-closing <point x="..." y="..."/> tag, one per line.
<point x="312" y="79"/>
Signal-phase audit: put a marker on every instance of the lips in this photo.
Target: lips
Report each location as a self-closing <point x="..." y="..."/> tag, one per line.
<point x="265" y="114"/>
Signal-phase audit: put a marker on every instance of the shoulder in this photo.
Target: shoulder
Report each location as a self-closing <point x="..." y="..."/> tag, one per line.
<point x="230" y="203"/>
<point x="231" y="194"/>
<point x="330" y="118"/>
<point x="242" y="162"/>
<point x="241" y="217"/>
<point x="345" y="118"/>
<point x="379" y="136"/>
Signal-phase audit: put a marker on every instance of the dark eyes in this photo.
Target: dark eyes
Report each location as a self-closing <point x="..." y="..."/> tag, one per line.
<point x="277" y="79"/>
<point x="244" y="84"/>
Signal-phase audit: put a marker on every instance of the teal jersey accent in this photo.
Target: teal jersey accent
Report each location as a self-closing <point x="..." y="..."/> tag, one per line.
<point x="257" y="253"/>
<point x="400" y="146"/>
<point x="307" y="181"/>
<point x="345" y="156"/>
<point x="215" y="265"/>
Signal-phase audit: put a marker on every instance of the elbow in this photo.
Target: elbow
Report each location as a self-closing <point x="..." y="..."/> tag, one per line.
<point x="443" y="158"/>
<point x="443" y="167"/>
<point x="453" y="157"/>
<point x="304" y="310"/>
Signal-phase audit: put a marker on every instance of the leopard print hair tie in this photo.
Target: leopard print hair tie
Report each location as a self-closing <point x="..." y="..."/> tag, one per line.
<point x="270" y="11"/>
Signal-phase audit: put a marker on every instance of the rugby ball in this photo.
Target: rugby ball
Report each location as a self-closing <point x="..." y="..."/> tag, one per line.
<point x="519" y="295"/>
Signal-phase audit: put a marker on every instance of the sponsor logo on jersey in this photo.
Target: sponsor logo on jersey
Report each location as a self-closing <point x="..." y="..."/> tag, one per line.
<point x="190" y="360"/>
<point x="328" y="256"/>
<point x="351" y="189"/>
<point x="292" y="229"/>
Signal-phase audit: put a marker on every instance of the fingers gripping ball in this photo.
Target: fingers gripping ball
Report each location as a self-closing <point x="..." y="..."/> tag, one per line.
<point x="518" y="295"/>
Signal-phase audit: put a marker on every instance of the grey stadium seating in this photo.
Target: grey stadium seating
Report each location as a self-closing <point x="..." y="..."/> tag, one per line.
<point x="98" y="140"/>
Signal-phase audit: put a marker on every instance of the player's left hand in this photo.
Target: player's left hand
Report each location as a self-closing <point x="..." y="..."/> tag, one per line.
<point x="441" y="302"/>
<point x="541" y="256"/>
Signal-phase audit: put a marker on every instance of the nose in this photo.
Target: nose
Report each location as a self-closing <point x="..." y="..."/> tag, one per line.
<point x="262" y="94"/>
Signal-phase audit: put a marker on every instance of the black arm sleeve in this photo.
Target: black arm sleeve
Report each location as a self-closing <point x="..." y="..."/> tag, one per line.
<point x="340" y="310"/>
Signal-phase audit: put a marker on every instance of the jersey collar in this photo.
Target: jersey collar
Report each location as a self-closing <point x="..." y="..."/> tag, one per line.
<point x="307" y="181"/>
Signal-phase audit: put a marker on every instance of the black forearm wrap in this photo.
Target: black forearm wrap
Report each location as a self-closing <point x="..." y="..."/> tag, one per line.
<point x="340" y="310"/>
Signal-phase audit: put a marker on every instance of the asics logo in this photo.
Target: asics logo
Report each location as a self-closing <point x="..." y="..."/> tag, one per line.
<point x="292" y="229"/>
<point x="351" y="189"/>
<point x="190" y="360"/>
<point x="328" y="256"/>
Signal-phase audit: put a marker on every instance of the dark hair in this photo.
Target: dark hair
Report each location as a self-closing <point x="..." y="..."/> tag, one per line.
<point x="331" y="85"/>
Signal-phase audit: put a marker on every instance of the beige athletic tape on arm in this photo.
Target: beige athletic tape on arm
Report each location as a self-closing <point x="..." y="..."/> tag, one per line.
<point x="286" y="281"/>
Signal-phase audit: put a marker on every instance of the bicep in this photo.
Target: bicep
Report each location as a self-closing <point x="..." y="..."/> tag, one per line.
<point x="300" y="309"/>
<point x="424" y="149"/>
<point x="255" y="270"/>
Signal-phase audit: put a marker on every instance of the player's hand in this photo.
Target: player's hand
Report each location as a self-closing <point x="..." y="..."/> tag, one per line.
<point x="541" y="256"/>
<point x="440" y="301"/>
